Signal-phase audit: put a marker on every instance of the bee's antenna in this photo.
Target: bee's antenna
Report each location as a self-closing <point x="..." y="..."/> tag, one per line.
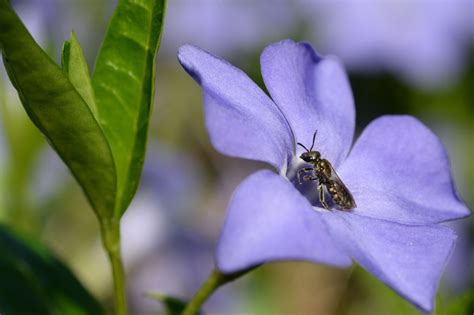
<point x="303" y="146"/>
<point x="314" y="138"/>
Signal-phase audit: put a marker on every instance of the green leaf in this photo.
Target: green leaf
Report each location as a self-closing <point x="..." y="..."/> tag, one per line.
<point x="172" y="305"/>
<point x="35" y="282"/>
<point x="59" y="111"/>
<point x="74" y="63"/>
<point x="124" y="85"/>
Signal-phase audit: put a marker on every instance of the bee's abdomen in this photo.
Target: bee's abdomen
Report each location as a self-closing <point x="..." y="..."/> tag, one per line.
<point x="339" y="196"/>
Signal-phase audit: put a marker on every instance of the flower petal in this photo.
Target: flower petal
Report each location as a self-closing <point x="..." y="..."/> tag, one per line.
<point x="268" y="220"/>
<point x="398" y="170"/>
<point x="241" y="119"/>
<point x="313" y="93"/>
<point x="408" y="258"/>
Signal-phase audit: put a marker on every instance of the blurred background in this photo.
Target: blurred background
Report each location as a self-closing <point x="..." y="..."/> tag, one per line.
<point x="403" y="57"/>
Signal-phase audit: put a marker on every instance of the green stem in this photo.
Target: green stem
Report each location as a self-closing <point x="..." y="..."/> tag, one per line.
<point x="110" y="231"/>
<point x="213" y="282"/>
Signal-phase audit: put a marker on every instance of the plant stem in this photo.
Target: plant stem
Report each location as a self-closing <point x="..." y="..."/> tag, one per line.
<point x="110" y="231"/>
<point x="213" y="282"/>
<point x="119" y="284"/>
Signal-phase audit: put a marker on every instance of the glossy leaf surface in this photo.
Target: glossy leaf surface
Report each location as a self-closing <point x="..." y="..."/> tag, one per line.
<point x="33" y="281"/>
<point x="59" y="111"/>
<point x="123" y="83"/>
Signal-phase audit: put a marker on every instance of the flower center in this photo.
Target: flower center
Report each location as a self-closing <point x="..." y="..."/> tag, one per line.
<point x="307" y="184"/>
<point x="331" y="191"/>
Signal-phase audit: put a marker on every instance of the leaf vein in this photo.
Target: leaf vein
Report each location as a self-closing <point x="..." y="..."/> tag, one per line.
<point x="121" y="70"/>
<point x="137" y="124"/>
<point x="139" y="5"/>
<point x="133" y="40"/>
<point x="117" y="96"/>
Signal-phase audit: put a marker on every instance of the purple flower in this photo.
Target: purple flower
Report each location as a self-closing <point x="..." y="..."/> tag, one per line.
<point x="397" y="171"/>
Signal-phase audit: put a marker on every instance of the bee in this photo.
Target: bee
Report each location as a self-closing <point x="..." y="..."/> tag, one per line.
<point x="323" y="172"/>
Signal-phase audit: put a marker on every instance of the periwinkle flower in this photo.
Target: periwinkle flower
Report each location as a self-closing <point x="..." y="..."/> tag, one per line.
<point x="397" y="171"/>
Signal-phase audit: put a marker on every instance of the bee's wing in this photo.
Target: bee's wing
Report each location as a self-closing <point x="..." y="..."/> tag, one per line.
<point x="335" y="177"/>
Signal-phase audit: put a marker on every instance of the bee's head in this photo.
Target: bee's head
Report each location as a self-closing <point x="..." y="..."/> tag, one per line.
<point x="310" y="156"/>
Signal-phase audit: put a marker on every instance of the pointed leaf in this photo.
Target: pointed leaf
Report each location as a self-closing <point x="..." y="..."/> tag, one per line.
<point x="74" y="63"/>
<point x="34" y="282"/>
<point x="57" y="109"/>
<point x="124" y="83"/>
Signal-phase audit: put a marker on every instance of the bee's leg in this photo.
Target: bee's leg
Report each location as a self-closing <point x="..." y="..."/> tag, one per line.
<point x="321" y="197"/>
<point x="303" y="171"/>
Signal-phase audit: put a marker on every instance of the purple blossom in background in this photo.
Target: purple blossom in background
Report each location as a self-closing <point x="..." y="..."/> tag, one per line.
<point x="48" y="177"/>
<point x="51" y="21"/>
<point x="165" y="248"/>
<point x="460" y="270"/>
<point x="424" y="41"/>
<point x="225" y="26"/>
<point x="397" y="171"/>
<point x="38" y="17"/>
